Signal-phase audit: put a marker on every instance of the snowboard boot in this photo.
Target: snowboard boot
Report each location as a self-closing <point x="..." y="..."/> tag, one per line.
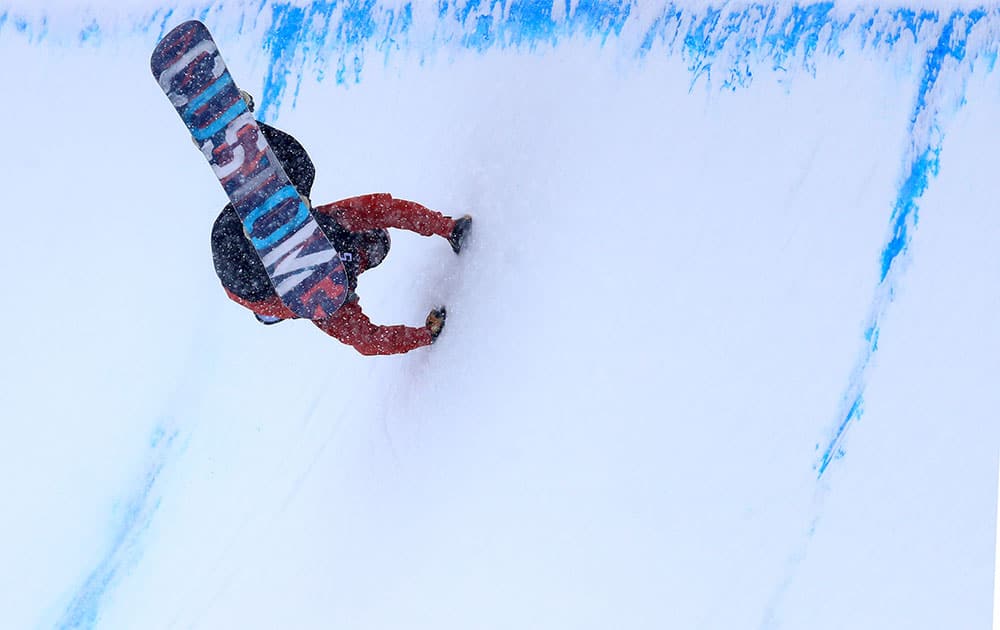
<point x="267" y="320"/>
<point x="459" y="232"/>
<point x="435" y="322"/>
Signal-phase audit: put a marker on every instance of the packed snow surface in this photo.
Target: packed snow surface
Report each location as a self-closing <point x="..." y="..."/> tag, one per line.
<point x="721" y="350"/>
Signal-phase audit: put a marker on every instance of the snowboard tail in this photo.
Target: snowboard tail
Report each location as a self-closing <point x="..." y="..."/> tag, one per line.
<point x="303" y="266"/>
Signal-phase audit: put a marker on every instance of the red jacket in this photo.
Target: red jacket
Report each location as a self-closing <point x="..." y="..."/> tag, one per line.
<point x="349" y="324"/>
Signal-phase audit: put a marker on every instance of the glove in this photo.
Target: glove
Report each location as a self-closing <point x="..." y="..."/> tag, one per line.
<point x="435" y="322"/>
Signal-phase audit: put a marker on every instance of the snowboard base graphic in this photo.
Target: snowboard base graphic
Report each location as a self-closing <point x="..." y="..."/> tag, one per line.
<point x="303" y="266"/>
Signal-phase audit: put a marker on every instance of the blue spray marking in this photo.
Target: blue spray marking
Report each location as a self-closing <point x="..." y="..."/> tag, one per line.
<point x="926" y="136"/>
<point x="137" y="514"/>
<point x="331" y="38"/>
<point x="91" y="34"/>
<point x="287" y="28"/>
<point x="165" y="23"/>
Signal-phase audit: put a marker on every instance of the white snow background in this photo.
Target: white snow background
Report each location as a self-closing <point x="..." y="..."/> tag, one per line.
<point x="702" y="236"/>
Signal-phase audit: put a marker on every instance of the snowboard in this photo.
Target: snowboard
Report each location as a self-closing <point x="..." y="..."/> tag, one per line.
<point x="303" y="266"/>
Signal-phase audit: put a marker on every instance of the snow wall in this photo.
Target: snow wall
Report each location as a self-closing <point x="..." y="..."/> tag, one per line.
<point x="721" y="351"/>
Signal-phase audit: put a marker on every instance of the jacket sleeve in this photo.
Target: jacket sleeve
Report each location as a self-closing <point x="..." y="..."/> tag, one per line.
<point x="350" y="325"/>
<point x="381" y="210"/>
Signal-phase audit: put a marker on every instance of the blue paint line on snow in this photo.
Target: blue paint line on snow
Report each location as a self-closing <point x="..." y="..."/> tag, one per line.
<point x="91" y="34"/>
<point x="905" y="214"/>
<point x="332" y="39"/>
<point x="165" y="23"/>
<point x="486" y="25"/>
<point x="281" y="42"/>
<point x="329" y="36"/>
<point x="934" y="104"/>
<point x="136" y="515"/>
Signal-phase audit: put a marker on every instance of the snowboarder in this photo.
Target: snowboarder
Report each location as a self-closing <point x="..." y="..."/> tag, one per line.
<point x="357" y="228"/>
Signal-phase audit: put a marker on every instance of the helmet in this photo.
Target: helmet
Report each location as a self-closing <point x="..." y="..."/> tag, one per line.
<point x="247" y="98"/>
<point x="372" y="247"/>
